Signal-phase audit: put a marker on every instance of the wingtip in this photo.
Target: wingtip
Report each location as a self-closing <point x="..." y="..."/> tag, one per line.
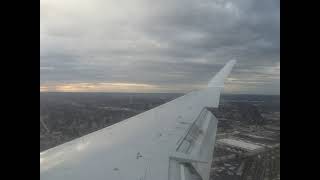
<point x="219" y="78"/>
<point x="232" y="61"/>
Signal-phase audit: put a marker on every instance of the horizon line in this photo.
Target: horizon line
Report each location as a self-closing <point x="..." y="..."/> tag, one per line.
<point x="150" y="93"/>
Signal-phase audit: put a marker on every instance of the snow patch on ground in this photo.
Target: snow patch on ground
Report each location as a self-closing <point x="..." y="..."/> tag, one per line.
<point x="239" y="143"/>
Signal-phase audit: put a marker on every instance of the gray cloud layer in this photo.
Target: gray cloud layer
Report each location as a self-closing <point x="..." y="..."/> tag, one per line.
<point x="176" y="43"/>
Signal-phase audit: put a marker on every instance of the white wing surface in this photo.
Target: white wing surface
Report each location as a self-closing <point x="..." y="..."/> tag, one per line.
<point x="173" y="141"/>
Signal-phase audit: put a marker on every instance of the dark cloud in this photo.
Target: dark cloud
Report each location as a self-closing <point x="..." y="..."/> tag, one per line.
<point x="166" y="43"/>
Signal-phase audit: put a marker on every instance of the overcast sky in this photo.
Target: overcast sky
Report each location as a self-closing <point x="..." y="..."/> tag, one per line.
<point x="159" y="46"/>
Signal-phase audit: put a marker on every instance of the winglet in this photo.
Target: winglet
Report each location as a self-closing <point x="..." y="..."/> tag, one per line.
<point x="219" y="78"/>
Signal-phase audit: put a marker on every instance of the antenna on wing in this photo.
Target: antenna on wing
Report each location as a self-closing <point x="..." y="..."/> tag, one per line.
<point x="219" y="78"/>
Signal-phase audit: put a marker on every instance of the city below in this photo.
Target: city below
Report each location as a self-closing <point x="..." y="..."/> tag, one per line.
<point x="247" y="142"/>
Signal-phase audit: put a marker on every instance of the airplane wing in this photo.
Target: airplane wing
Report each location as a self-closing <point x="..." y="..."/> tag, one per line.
<point x="174" y="141"/>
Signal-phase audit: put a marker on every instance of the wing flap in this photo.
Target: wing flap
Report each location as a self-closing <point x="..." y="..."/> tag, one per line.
<point x="195" y="150"/>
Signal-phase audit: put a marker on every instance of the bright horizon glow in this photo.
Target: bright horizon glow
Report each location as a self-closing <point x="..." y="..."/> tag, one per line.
<point x="97" y="87"/>
<point x="116" y="87"/>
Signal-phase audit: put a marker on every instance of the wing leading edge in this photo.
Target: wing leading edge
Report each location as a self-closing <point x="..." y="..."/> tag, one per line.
<point x="172" y="141"/>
